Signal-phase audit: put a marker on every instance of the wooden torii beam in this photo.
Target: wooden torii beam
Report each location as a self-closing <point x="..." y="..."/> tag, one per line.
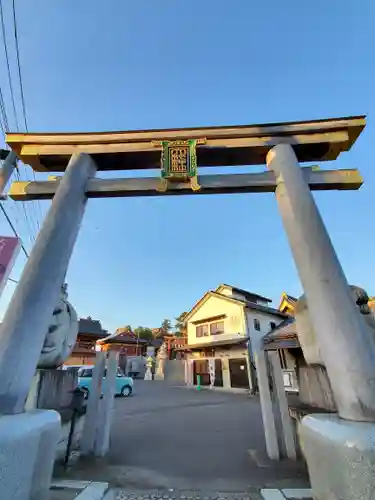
<point x="312" y="141"/>
<point x="265" y="182"/>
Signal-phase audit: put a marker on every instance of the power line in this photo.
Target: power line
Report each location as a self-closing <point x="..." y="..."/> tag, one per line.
<point x="18" y="61"/>
<point x="3" y="111"/>
<point x="23" y="99"/>
<point x="4" y="124"/>
<point x="13" y="229"/>
<point x="8" y="65"/>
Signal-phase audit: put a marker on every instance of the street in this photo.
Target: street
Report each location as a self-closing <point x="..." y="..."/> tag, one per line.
<point x="166" y="437"/>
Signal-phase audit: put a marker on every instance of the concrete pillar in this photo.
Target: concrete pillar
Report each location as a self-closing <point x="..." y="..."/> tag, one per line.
<point x="27" y="452"/>
<point x="282" y="403"/>
<point x="106" y="408"/>
<point x="6" y="170"/>
<point x="268" y="418"/>
<point x="226" y="373"/>
<point x="93" y="406"/>
<point x="189" y="372"/>
<point x="347" y="349"/>
<point x="29" y="314"/>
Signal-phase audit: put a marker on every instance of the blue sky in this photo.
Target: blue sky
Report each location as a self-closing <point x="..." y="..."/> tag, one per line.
<point x="90" y="65"/>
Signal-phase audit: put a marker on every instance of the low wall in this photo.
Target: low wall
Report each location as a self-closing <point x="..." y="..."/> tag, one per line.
<point x="53" y="390"/>
<point x="63" y="442"/>
<point x="174" y="371"/>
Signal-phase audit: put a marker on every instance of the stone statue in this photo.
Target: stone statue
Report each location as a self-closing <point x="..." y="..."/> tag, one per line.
<point x="314" y="384"/>
<point x="306" y="334"/>
<point x="161" y="358"/>
<point x="62" y="334"/>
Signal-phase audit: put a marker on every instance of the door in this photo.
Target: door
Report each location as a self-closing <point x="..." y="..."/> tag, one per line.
<point x="218" y="373"/>
<point x="201" y="368"/>
<point x="238" y="373"/>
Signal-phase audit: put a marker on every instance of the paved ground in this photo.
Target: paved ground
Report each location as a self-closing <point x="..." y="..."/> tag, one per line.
<point x="173" y="438"/>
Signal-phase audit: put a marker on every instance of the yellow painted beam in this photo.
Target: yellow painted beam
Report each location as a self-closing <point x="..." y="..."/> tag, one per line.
<point x="318" y="180"/>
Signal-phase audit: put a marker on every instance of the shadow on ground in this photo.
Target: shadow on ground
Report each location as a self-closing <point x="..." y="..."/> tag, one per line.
<point x="166" y="437"/>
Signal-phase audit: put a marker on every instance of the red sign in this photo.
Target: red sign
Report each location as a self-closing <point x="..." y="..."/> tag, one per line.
<point x="9" y="248"/>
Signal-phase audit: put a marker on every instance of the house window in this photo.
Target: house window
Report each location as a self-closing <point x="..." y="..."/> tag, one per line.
<point x="202" y="331"/>
<point x="257" y="324"/>
<point x="217" y="328"/>
<point x="272" y="325"/>
<point x="282" y="358"/>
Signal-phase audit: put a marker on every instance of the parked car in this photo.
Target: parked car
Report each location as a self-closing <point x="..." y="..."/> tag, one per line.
<point x="124" y="385"/>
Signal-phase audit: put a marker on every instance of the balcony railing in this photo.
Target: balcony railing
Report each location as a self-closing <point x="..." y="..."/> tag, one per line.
<point x="84" y="348"/>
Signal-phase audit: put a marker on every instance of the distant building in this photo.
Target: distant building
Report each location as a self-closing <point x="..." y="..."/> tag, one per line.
<point x="126" y="344"/>
<point x="175" y="345"/>
<point x="287" y="304"/>
<point x="90" y="330"/>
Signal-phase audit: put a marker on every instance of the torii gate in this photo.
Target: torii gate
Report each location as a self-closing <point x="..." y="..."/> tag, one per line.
<point x="348" y="356"/>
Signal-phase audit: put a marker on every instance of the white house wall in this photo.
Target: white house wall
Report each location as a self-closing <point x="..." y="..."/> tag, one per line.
<point x="265" y="320"/>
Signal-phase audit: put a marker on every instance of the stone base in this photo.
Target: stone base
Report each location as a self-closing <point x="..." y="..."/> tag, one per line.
<point x="27" y="453"/>
<point x="340" y="456"/>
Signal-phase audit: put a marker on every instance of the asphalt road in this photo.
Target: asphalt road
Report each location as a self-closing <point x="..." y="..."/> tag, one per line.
<point x="174" y="437"/>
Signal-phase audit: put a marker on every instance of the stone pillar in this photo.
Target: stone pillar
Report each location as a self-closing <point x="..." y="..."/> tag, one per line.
<point x="347" y="349"/>
<point x="106" y="408"/>
<point x="268" y="418"/>
<point x="93" y="406"/>
<point x="27" y="451"/>
<point x="28" y="316"/>
<point x="282" y="403"/>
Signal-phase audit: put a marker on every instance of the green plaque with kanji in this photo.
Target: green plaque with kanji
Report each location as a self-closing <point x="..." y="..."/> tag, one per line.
<point x="179" y="162"/>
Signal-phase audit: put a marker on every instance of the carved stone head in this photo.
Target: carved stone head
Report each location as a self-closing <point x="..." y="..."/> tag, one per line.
<point x="305" y="330"/>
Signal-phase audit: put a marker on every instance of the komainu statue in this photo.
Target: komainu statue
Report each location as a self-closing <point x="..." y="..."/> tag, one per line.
<point x="62" y="334"/>
<point x="314" y="384"/>
<point x="161" y="359"/>
<point x="306" y="334"/>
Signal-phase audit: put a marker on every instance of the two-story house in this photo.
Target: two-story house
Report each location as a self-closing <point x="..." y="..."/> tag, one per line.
<point x="226" y="326"/>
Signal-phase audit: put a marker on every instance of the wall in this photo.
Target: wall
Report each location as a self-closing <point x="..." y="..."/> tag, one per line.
<point x="315" y="388"/>
<point x="80" y="360"/>
<point x="214" y="306"/>
<point x="64" y="436"/>
<point x="225" y="355"/>
<point x="53" y="390"/>
<point x="174" y="370"/>
<point x="264" y="319"/>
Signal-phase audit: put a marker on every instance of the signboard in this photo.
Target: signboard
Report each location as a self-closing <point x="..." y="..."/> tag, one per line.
<point x="150" y="351"/>
<point x="9" y="248"/>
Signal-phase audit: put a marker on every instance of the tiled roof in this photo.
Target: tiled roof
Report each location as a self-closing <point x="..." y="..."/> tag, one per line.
<point x="91" y="327"/>
<point x="283" y="336"/>
<point x="122" y="338"/>
<point x="266" y="309"/>
<point x="247" y="293"/>
<point x="214" y="343"/>
<point x="291" y="298"/>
